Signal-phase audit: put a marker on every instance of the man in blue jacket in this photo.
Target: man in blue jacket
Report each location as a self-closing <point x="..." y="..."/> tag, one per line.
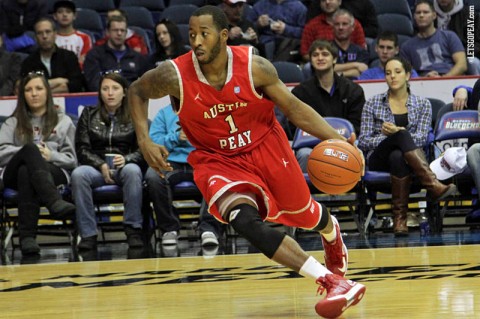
<point x="113" y="55"/>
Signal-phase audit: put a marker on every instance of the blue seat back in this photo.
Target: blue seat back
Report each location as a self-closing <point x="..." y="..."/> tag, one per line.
<point x="302" y="139"/>
<point x="457" y="124"/>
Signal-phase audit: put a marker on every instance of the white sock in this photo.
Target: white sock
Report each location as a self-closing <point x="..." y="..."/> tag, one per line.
<point x="330" y="237"/>
<point x="313" y="269"/>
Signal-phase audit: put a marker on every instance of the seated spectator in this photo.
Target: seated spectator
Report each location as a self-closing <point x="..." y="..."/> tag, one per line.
<point x="352" y="59"/>
<point x="10" y="63"/>
<point x="473" y="161"/>
<point x="321" y="27"/>
<point x="166" y="131"/>
<point x="37" y="148"/>
<point x="133" y="40"/>
<point x="68" y="38"/>
<point x="280" y="22"/>
<point x="433" y="52"/>
<point x="362" y="10"/>
<point x="327" y="93"/>
<point x="104" y="129"/>
<point x="240" y="31"/>
<point x="386" y="47"/>
<point x="168" y="43"/>
<point x="115" y="54"/>
<point x="394" y="129"/>
<point x="455" y="15"/>
<point x="60" y="66"/>
<point x="16" y="18"/>
<point x="466" y="97"/>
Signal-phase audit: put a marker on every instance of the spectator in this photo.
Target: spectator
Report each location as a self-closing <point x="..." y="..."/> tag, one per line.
<point x="9" y="70"/>
<point x="433" y="52"/>
<point x="327" y="93"/>
<point x="386" y="48"/>
<point x="280" y="22"/>
<point x="466" y="97"/>
<point x="135" y="41"/>
<point x="321" y="27"/>
<point x="37" y="148"/>
<point x="68" y="38"/>
<point x="454" y="15"/>
<point x="60" y="66"/>
<point x="362" y="10"/>
<point x="240" y="31"/>
<point x="352" y="59"/>
<point x="166" y="131"/>
<point x="394" y="129"/>
<point x="17" y="17"/>
<point x="104" y="129"/>
<point x="115" y="54"/>
<point x="168" y="43"/>
<point x="473" y="161"/>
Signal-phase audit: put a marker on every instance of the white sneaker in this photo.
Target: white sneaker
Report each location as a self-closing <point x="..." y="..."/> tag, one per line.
<point x="170" y="238"/>
<point x="209" y="239"/>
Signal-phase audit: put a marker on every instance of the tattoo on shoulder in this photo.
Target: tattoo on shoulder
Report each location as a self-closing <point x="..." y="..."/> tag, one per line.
<point x="165" y="81"/>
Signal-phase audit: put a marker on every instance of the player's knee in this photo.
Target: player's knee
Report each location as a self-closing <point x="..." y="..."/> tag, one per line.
<point x="246" y="221"/>
<point x="324" y="218"/>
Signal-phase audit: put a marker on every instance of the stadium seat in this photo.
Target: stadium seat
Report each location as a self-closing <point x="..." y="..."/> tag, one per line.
<point x="197" y="3"/>
<point x="454" y="129"/>
<point x="180" y="14"/>
<point x="142" y="18"/>
<point x="154" y="6"/>
<point x="101" y="7"/>
<point x="289" y="72"/>
<point x="145" y="35"/>
<point x="184" y="32"/>
<point x="90" y="20"/>
<point x="392" y="6"/>
<point x="437" y="105"/>
<point x="397" y="23"/>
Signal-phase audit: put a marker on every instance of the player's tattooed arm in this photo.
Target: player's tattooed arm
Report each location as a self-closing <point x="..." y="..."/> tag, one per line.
<point x="159" y="82"/>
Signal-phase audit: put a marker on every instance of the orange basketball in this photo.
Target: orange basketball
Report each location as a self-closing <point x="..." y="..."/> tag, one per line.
<point x="334" y="166"/>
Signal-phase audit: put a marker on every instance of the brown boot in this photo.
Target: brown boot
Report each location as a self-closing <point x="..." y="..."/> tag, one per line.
<point x="400" y="194"/>
<point x="435" y="190"/>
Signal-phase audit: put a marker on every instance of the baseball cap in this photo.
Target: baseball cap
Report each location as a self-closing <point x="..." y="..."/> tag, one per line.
<point x="64" y="4"/>
<point x="452" y="162"/>
<point x="234" y="1"/>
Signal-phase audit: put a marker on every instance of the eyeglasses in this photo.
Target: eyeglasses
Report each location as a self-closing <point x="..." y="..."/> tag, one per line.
<point x="113" y="71"/>
<point x="39" y="72"/>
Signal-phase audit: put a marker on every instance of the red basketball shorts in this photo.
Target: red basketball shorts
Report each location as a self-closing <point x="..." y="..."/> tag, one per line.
<point x="270" y="171"/>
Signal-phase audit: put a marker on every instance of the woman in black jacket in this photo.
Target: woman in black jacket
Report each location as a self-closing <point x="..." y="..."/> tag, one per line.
<point x="107" y="129"/>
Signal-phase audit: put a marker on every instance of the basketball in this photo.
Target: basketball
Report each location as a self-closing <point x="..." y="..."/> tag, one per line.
<point x="334" y="166"/>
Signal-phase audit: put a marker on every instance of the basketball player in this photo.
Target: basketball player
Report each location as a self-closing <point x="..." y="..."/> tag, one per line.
<point x="243" y="163"/>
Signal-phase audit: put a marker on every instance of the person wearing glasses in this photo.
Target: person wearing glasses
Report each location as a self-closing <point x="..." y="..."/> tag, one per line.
<point x="60" y="66"/>
<point x="115" y="54"/>
<point x="37" y="148"/>
<point x="168" y="43"/>
<point x="242" y="162"/>
<point x="101" y="130"/>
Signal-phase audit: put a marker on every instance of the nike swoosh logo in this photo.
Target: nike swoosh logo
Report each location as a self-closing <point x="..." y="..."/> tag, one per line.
<point x="344" y="268"/>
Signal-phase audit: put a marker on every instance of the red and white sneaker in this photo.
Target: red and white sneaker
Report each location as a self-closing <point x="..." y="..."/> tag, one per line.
<point x="341" y="294"/>
<point x="336" y="253"/>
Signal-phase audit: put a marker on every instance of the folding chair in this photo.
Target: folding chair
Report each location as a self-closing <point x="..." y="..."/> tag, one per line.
<point x="350" y="200"/>
<point x="454" y="129"/>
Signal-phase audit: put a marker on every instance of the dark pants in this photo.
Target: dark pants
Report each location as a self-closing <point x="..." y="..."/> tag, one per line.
<point x="18" y="176"/>
<point x="388" y="156"/>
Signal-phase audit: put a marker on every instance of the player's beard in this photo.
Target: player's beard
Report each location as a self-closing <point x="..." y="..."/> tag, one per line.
<point x="213" y="53"/>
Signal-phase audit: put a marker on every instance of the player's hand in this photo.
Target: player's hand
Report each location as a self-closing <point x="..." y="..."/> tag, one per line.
<point x="460" y="99"/>
<point x="156" y="157"/>
<point x="352" y="140"/>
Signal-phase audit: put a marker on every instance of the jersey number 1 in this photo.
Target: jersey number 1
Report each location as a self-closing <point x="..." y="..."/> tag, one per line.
<point x="231" y="123"/>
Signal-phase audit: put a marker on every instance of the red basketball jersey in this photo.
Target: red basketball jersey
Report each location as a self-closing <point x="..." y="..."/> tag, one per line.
<point x="232" y="120"/>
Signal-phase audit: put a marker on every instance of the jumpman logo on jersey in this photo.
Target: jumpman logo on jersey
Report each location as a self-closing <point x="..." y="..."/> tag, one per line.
<point x="284" y="162"/>
<point x="198" y="97"/>
<point x="212" y="183"/>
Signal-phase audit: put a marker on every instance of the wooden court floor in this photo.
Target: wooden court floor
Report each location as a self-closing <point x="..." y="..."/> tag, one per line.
<point x="410" y="282"/>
